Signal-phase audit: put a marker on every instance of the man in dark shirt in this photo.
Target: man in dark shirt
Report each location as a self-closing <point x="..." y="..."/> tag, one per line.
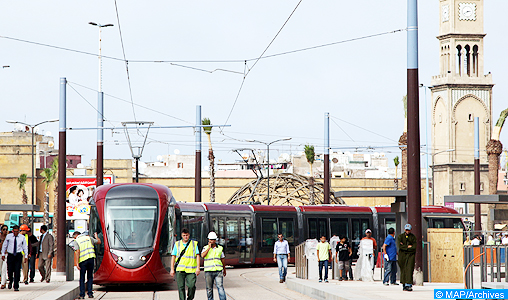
<point x="343" y="251"/>
<point x="407" y="251"/>
<point x="31" y="263"/>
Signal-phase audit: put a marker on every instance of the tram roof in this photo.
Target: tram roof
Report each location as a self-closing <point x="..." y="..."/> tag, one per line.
<point x="425" y="209"/>
<point x="334" y="208"/>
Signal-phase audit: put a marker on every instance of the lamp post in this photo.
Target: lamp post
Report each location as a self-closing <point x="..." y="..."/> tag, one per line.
<point x="268" y="159"/>
<point x="434" y="154"/>
<point x="100" y="115"/>
<point x="33" y="159"/>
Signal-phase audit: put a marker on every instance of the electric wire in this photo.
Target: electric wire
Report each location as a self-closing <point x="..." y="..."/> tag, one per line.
<point x="91" y="105"/>
<point x="333" y="121"/>
<point x="126" y="61"/>
<point x="365" y="129"/>
<point x="237" y="96"/>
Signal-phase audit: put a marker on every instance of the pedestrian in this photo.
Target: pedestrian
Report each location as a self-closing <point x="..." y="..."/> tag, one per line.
<point x="14" y="245"/>
<point x="32" y="239"/>
<point x="185" y="262"/>
<point x="214" y="267"/>
<point x="24" y="232"/>
<point x="281" y="256"/>
<point x="475" y="241"/>
<point x="343" y="252"/>
<point x="45" y="254"/>
<point x="85" y="254"/>
<point x="368" y="236"/>
<point x="407" y="250"/>
<point x="390" y="256"/>
<point x="3" y="264"/>
<point x="324" y="254"/>
<point x="504" y="241"/>
<point x="490" y="241"/>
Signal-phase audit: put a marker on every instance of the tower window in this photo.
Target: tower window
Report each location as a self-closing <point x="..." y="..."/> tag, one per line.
<point x="462" y="186"/>
<point x="470" y="117"/>
<point x="481" y="186"/>
<point x="475" y="60"/>
<point x="467" y="60"/>
<point x="459" y="60"/>
<point x="180" y="166"/>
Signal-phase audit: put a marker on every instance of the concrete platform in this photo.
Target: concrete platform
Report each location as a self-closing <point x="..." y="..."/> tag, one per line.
<point x="58" y="288"/>
<point x="357" y="290"/>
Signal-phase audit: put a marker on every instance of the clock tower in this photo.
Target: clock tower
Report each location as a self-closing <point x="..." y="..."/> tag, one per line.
<point x="460" y="93"/>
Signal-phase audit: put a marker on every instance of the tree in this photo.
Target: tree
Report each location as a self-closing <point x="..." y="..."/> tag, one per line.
<point x="211" y="157"/>
<point x="54" y="169"/>
<point x="311" y="157"/>
<point x="21" y="184"/>
<point x="403" y="147"/>
<point x="494" y="149"/>
<point x="396" y="180"/>
<point x="48" y="176"/>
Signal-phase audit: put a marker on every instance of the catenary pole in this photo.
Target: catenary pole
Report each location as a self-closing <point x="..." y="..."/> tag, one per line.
<point x="100" y="140"/>
<point x="62" y="153"/>
<point x="197" y="175"/>
<point x="326" y="171"/>
<point x="477" y="207"/>
<point x="414" y="203"/>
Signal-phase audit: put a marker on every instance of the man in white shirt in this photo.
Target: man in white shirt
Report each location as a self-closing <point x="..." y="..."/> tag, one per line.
<point x="475" y="241"/>
<point x="281" y="256"/>
<point x="504" y="241"/>
<point x="14" y="245"/>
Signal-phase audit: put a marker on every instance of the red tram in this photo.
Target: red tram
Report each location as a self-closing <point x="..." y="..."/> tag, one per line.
<point x="138" y="223"/>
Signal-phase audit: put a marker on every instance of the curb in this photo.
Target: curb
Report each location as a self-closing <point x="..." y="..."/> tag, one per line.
<point x="302" y="288"/>
<point x="67" y="291"/>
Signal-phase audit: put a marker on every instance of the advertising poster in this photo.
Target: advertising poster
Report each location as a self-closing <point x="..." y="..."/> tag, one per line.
<point x="79" y="190"/>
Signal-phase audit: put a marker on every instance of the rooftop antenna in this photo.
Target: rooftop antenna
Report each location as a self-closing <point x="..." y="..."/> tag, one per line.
<point x="137" y="146"/>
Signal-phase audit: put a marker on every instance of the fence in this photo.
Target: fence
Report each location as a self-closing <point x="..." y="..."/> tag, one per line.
<point x="302" y="269"/>
<point x="492" y="260"/>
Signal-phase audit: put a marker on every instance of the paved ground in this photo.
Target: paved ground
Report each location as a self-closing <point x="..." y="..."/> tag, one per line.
<point x="57" y="288"/>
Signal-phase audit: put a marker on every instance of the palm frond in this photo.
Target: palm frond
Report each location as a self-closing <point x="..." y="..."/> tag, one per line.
<point x="206" y="121"/>
<point x="310" y="154"/>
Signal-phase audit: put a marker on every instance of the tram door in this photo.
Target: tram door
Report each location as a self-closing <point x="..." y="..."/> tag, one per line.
<point x="359" y="227"/>
<point x="246" y="240"/>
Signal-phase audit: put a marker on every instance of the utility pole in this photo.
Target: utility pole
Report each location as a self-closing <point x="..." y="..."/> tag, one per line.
<point x="477" y="206"/>
<point x="100" y="114"/>
<point x="326" y="171"/>
<point x="62" y="168"/>
<point x="414" y="203"/>
<point x="197" y="174"/>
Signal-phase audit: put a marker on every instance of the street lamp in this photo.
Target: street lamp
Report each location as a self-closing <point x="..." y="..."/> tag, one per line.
<point x="100" y="50"/>
<point x="434" y="154"/>
<point x="33" y="159"/>
<point x="268" y="159"/>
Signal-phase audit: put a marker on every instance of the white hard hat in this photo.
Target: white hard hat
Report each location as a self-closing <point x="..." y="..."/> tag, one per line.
<point x="212" y="235"/>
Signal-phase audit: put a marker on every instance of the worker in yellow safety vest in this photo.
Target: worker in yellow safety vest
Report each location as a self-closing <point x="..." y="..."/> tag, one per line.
<point x="214" y="267"/>
<point x="185" y="263"/>
<point x="85" y="254"/>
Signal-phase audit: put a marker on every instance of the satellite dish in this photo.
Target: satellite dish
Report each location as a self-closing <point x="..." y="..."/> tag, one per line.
<point x="48" y="133"/>
<point x="176" y="151"/>
<point x="51" y="144"/>
<point x="159" y="157"/>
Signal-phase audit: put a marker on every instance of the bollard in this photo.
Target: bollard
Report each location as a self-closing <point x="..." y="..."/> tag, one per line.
<point x="69" y="263"/>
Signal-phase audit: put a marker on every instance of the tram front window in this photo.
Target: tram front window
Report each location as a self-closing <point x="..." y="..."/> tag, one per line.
<point x="131" y="224"/>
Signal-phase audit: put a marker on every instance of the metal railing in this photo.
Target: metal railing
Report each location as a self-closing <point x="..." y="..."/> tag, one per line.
<point x="492" y="260"/>
<point x="302" y="269"/>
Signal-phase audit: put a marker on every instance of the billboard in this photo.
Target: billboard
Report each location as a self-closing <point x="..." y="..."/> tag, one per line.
<point x="79" y="190"/>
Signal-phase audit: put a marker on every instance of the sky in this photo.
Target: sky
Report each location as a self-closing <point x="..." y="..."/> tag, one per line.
<point x="183" y="54"/>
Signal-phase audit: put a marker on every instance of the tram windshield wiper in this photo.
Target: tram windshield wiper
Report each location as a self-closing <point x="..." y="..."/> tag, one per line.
<point x="120" y="239"/>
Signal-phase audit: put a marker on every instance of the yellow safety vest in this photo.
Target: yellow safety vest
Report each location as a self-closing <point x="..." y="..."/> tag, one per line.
<point x="86" y="249"/>
<point x="212" y="259"/>
<point x="26" y="239"/>
<point x="188" y="263"/>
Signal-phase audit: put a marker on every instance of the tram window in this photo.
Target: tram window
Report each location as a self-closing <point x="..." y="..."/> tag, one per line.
<point x="95" y="227"/>
<point x="232" y="233"/>
<point x="286" y="227"/>
<point x="195" y="226"/>
<point x="438" y="223"/>
<point x="390" y="224"/>
<point x="359" y="227"/>
<point x="218" y="227"/>
<point x="269" y="231"/>
<point x="340" y="227"/>
<point x="164" y="236"/>
<point x="457" y="223"/>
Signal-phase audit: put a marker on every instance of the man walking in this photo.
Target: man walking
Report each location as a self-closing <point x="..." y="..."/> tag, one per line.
<point x="390" y="256"/>
<point x="407" y="250"/>
<point x="214" y="267"/>
<point x="324" y="254"/>
<point x="24" y="232"/>
<point x="3" y="264"/>
<point x="86" y="257"/>
<point x="32" y="239"/>
<point x="45" y="254"/>
<point x="14" y="245"/>
<point x="185" y="262"/>
<point x="281" y="256"/>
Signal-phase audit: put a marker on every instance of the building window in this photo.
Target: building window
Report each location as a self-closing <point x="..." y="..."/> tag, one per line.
<point x="462" y="186"/>
<point x="470" y="117"/>
<point x="481" y="186"/>
<point x="180" y="166"/>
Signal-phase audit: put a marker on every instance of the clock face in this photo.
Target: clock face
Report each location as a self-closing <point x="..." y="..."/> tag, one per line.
<point x="445" y="13"/>
<point x="467" y="11"/>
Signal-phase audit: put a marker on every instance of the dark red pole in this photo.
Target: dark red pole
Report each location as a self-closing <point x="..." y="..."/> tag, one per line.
<point x="326" y="158"/>
<point x="477" y="207"/>
<point x="197" y="174"/>
<point x="62" y="168"/>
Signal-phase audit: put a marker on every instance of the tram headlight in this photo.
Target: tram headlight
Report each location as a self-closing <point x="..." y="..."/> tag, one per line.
<point x="120" y="258"/>
<point x="142" y="258"/>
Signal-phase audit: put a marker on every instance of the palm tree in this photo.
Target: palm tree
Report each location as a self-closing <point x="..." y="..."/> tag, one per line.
<point x="494" y="149"/>
<point x="21" y="184"/>
<point x="54" y="169"/>
<point x="211" y="157"/>
<point x="48" y="177"/>
<point x="403" y="148"/>
<point x="396" y="180"/>
<point x="311" y="157"/>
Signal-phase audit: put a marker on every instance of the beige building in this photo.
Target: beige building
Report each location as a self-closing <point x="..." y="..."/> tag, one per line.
<point x="460" y="93"/>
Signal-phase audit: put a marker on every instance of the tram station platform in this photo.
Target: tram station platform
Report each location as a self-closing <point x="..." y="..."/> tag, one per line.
<point x="58" y="288"/>
<point x="358" y="290"/>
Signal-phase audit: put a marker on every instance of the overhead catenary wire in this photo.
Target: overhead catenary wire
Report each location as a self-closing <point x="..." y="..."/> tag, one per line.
<point x="365" y="129"/>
